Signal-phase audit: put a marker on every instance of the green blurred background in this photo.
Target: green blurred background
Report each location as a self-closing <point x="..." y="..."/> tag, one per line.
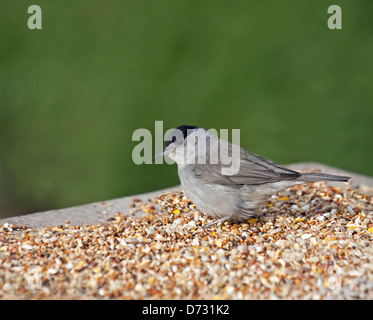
<point x="72" y="94"/>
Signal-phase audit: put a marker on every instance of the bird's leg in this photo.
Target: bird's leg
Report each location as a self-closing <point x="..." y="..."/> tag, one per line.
<point x="215" y="222"/>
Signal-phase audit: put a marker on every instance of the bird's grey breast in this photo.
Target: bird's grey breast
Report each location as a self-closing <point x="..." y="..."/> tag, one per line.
<point x="213" y="199"/>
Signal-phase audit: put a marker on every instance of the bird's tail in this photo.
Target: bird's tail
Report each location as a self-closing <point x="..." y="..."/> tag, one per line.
<point x="314" y="177"/>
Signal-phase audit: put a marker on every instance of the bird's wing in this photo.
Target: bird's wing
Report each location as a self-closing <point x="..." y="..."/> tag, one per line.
<point x="253" y="170"/>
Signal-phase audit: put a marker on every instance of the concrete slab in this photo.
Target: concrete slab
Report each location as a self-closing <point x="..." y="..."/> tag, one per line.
<point x="100" y="212"/>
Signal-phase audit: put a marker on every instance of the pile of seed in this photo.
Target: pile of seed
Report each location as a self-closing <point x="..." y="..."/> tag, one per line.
<point x="312" y="242"/>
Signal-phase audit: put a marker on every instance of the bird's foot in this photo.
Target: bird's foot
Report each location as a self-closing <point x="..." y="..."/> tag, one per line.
<point x="215" y="222"/>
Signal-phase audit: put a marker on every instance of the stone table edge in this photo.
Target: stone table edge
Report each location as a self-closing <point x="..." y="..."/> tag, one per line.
<point x="101" y="211"/>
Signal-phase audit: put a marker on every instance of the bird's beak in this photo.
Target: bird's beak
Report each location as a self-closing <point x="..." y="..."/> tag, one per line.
<point x="163" y="153"/>
<point x="159" y="154"/>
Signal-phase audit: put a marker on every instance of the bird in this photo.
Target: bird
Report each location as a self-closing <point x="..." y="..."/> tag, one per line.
<point x="234" y="193"/>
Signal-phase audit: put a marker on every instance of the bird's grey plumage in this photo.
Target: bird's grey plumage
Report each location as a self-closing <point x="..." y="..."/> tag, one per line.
<point x="253" y="170"/>
<point x="234" y="197"/>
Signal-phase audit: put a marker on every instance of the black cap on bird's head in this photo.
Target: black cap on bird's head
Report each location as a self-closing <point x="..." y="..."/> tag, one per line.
<point x="180" y="132"/>
<point x="184" y="129"/>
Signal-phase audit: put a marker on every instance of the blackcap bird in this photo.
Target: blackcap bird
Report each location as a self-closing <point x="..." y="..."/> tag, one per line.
<point x="226" y="181"/>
